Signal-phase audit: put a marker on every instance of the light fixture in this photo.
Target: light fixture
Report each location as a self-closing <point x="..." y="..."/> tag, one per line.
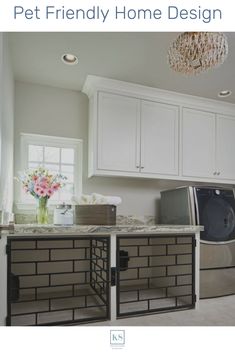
<point x="194" y="52"/>
<point x="69" y="59"/>
<point x="225" y="93"/>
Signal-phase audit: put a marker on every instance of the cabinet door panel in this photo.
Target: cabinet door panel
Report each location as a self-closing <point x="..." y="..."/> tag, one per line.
<point x="225" y="147"/>
<point x="198" y="143"/>
<point x="159" y="138"/>
<point x="118" y="133"/>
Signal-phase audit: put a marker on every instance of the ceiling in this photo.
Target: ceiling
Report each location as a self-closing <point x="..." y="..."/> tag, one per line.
<point x="134" y="57"/>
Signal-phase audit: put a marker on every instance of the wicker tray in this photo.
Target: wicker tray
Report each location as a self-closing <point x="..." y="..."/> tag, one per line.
<point x="95" y="214"/>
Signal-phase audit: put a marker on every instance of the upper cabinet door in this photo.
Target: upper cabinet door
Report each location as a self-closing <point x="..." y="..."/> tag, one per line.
<point x="159" y="138"/>
<point x="225" y="148"/>
<point x="198" y="143"/>
<point x="118" y="133"/>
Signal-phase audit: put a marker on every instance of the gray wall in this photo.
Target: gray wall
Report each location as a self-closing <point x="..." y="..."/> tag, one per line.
<point x="6" y="126"/>
<point x="58" y="112"/>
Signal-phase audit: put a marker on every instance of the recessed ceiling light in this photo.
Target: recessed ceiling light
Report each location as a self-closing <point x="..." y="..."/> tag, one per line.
<point x="69" y="59"/>
<point x="224" y="93"/>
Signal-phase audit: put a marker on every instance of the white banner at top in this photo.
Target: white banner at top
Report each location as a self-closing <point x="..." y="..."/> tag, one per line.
<point x="117" y="15"/>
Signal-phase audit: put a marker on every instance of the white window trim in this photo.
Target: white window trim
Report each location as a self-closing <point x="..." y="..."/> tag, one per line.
<point x="52" y="141"/>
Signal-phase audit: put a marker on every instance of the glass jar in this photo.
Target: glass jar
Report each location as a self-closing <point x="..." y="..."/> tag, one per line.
<point x="63" y="215"/>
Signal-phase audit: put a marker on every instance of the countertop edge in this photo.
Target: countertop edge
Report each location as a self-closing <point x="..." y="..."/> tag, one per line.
<point x="51" y="230"/>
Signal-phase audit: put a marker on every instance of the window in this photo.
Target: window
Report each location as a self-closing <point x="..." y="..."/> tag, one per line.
<point x="58" y="155"/>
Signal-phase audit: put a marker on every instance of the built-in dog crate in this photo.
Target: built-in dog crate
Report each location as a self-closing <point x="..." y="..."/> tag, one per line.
<point x="58" y="281"/>
<point x="155" y="273"/>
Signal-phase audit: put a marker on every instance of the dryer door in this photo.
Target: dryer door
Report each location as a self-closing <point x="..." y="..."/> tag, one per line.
<point x="216" y="212"/>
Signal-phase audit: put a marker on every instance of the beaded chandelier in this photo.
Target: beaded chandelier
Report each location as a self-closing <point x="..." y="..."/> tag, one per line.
<point x="194" y="52"/>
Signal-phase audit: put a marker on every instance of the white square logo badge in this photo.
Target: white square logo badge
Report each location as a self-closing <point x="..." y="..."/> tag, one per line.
<point x="117" y="338"/>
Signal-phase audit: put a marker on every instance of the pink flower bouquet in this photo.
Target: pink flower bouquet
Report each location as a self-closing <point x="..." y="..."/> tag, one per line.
<point x="41" y="184"/>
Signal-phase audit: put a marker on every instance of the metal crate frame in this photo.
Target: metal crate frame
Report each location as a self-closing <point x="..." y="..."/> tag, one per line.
<point x="97" y="276"/>
<point x="175" y="307"/>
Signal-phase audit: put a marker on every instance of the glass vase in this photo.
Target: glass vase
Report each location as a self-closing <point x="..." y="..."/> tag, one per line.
<point x="42" y="211"/>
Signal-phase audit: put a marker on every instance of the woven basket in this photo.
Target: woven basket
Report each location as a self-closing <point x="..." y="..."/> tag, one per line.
<point x="95" y="215"/>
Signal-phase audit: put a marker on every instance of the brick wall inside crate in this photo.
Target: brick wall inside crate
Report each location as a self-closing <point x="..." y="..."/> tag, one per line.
<point x="55" y="276"/>
<point x="176" y="261"/>
<point x="47" y="252"/>
<point x="159" y="273"/>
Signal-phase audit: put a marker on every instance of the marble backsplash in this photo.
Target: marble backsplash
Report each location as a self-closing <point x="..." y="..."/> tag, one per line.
<point x="30" y="218"/>
<point x="135" y="220"/>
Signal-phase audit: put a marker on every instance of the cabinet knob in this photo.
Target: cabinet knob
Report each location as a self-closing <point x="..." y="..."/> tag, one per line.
<point x="214" y="173"/>
<point x="218" y="173"/>
<point x="142" y="167"/>
<point x="137" y="166"/>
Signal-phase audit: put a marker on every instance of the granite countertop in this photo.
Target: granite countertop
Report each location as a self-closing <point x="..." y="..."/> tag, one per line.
<point x="35" y="229"/>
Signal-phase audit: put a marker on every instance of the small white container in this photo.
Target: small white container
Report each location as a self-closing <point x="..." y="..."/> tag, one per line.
<point x="63" y="215"/>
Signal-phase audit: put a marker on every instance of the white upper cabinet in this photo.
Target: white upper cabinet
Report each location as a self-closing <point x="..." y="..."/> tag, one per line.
<point x="136" y="136"/>
<point x="198" y="143"/>
<point x="225" y="147"/>
<point x="150" y="133"/>
<point x="118" y="133"/>
<point x="159" y="138"/>
<point x="208" y="145"/>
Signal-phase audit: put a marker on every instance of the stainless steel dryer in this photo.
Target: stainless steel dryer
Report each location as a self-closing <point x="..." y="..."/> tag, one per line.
<point x="214" y="208"/>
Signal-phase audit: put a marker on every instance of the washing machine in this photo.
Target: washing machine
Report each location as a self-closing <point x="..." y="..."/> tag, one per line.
<point x="213" y="208"/>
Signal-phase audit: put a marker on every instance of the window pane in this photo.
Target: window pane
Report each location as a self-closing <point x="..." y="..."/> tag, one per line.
<point x="32" y="165"/>
<point x="70" y="178"/>
<point x="52" y="154"/>
<point x="68" y="171"/>
<point x="67" y="192"/>
<point x="69" y="187"/>
<point x="54" y="168"/>
<point x="67" y="155"/>
<point x="35" y="153"/>
<point x="67" y="168"/>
